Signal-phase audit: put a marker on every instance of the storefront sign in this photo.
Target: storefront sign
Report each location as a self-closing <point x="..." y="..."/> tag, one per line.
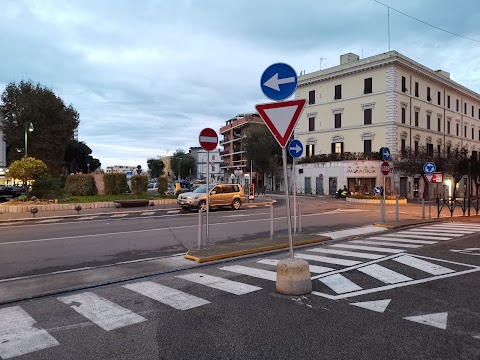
<point x="359" y="170"/>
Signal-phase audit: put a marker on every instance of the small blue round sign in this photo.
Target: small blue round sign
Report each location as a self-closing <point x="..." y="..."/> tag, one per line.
<point x="429" y="167"/>
<point x="279" y="81"/>
<point x="377" y="190"/>
<point x="295" y="148"/>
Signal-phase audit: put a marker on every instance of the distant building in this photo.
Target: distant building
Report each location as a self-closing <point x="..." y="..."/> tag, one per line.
<point x="167" y="170"/>
<point x="121" y="169"/>
<point x="213" y="165"/>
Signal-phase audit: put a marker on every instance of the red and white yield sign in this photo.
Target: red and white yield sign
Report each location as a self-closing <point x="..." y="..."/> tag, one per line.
<point x="385" y="168"/>
<point x="208" y="139"/>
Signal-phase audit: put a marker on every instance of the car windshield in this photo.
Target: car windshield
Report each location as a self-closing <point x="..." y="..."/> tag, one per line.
<point x="202" y="189"/>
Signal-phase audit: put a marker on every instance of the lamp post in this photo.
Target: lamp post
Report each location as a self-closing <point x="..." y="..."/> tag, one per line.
<point x="179" y="161"/>
<point x="28" y="128"/>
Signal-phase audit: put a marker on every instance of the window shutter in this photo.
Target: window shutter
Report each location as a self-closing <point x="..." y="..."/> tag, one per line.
<point x="341" y="148"/>
<point x="333" y="148"/>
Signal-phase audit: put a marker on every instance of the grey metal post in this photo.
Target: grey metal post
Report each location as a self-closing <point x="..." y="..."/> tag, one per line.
<point x="294" y="199"/>
<point x="200" y="230"/>
<point x="396" y="209"/>
<point x="423" y="209"/>
<point x="384" y="207"/>
<point x="299" y="219"/>
<point x="287" y="202"/>
<point x="429" y="202"/>
<point x="271" y="222"/>
<point x="207" y="203"/>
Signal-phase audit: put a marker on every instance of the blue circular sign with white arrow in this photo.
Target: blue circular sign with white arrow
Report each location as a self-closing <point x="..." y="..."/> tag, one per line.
<point x="429" y="167"/>
<point x="295" y="148"/>
<point x="386" y="154"/>
<point x="279" y="81"/>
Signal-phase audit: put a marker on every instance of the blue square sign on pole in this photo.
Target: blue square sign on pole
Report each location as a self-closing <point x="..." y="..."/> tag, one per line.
<point x="386" y="154"/>
<point x="279" y="81"/>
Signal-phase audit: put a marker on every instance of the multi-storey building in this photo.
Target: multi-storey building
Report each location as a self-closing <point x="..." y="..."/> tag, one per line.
<point x="233" y="154"/>
<point x="121" y="169"/>
<point x="388" y="100"/>
<point x="213" y="165"/>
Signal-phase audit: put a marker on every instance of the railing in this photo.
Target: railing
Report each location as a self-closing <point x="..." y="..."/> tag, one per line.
<point x="464" y="204"/>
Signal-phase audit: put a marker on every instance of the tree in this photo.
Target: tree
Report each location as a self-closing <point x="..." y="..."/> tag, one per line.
<point x="54" y="123"/>
<point x="183" y="162"/>
<point x="155" y="167"/>
<point x="457" y="167"/>
<point x="27" y="169"/>
<point x="262" y="148"/>
<point x="78" y="159"/>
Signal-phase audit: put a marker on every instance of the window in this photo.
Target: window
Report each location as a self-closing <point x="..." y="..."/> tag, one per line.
<point x="404" y="111"/>
<point x="310" y="150"/>
<point x="416" y="89"/>
<point x="367" y="146"/>
<point x="474" y="155"/>
<point x="439" y="98"/>
<point x="465" y="108"/>
<point x="311" y="123"/>
<point x="479" y="113"/>
<point x="428" y="121"/>
<point x="338" y="120"/>
<point x="404" y="84"/>
<point x="416" y="118"/>
<point x="337" y="148"/>
<point x="438" y="150"/>
<point x="439" y="124"/>
<point x="430" y="149"/>
<point x="473" y="133"/>
<point x="415" y="148"/>
<point x="367" y="86"/>
<point x="213" y="157"/>
<point x="448" y="152"/>
<point x="458" y="105"/>
<point x="448" y="101"/>
<point x="367" y="116"/>
<point x="458" y="129"/>
<point x="473" y="111"/>
<point x="448" y="127"/>
<point x="429" y="98"/>
<point x="465" y="131"/>
<point x="338" y="92"/>
<point x="403" y="147"/>
<point x="311" y="97"/>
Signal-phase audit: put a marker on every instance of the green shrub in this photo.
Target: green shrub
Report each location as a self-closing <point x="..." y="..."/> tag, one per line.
<point x="48" y="188"/>
<point x="81" y="184"/>
<point x="115" y="184"/>
<point x="162" y="184"/>
<point x="139" y="184"/>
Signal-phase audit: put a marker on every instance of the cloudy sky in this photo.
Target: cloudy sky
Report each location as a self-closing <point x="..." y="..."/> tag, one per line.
<point x="146" y="76"/>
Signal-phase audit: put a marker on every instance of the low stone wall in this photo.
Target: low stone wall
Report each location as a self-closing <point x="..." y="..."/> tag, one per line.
<point x="4" y="208"/>
<point x="374" y="201"/>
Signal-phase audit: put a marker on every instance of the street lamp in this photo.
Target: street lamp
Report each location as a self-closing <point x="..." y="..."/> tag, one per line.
<point x="179" y="161"/>
<point x="28" y="128"/>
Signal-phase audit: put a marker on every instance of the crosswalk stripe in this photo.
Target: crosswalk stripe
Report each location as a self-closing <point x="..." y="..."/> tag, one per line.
<point x="118" y="215"/>
<point x="339" y="283"/>
<point x="148" y="213"/>
<point x="215" y="282"/>
<point x="424" y="237"/>
<point x="409" y="241"/>
<point x="313" y="268"/>
<point x="460" y="225"/>
<point x="424" y="232"/>
<point x="355" y="231"/>
<point x="386" y="243"/>
<point x="166" y="295"/>
<point x="88" y="218"/>
<point x="328" y="260"/>
<point x="258" y="273"/>
<point x="100" y="311"/>
<point x="48" y="221"/>
<point x="454" y="226"/>
<point x="19" y="334"/>
<point x="347" y="253"/>
<point x="423" y="265"/>
<point x="383" y="274"/>
<point x="173" y="211"/>
<point x="439" y="230"/>
<point x="369" y="248"/>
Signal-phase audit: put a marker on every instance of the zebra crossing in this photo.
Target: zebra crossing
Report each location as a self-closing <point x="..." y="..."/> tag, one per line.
<point x="339" y="271"/>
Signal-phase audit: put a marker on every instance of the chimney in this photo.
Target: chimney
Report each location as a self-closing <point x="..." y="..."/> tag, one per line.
<point x="443" y="73"/>
<point x="347" y="58"/>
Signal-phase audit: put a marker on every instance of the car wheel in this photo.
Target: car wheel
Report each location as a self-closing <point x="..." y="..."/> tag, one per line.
<point x="236" y="204"/>
<point x="202" y="206"/>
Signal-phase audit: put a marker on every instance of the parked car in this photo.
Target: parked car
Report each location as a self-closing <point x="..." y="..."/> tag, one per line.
<point x="13" y="191"/>
<point x="221" y="195"/>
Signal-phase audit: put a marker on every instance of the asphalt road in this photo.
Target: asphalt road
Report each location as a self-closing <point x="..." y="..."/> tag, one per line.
<point x="417" y="302"/>
<point x="45" y="246"/>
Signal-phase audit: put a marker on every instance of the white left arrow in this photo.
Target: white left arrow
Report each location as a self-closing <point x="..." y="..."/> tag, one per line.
<point x="274" y="82"/>
<point x="296" y="148"/>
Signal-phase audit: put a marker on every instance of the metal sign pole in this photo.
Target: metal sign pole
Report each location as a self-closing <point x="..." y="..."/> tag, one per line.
<point x="287" y="202"/>
<point x="384" y="208"/>
<point x="294" y="199"/>
<point x="207" y="203"/>
<point x="429" y="201"/>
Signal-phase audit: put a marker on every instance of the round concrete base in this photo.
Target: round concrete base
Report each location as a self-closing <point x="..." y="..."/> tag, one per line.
<point x="293" y="277"/>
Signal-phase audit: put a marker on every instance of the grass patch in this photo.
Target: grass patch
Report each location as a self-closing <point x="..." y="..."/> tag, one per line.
<point x="70" y="199"/>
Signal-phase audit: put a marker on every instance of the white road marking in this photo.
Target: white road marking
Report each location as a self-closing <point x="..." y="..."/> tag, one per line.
<point x="408" y="241"/>
<point x="328" y="260"/>
<point x="423" y="265"/>
<point x="258" y="273"/>
<point x="166" y="295"/>
<point x="339" y="283"/>
<point x="118" y="215"/>
<point x="19" y="334"/>
<point x="438" y="320"/>
<point x="424" y="232"/>
<point x="457" y="226"/>
<point x="233" y="287"/>
<point x="147" y="213"/>
<point x="346" y="253"/>
<point x="383" y="274"/>
<point x="48" y="221"/>
<point x="313" y="268"/>
<point x="385" y="243"/>
<point x="376" y="305"/>
<point x="9" y="223"/>
<point x="104" y="313"/>
<point x="87" y="218"/>
<point x="173" y="211"/>
<point x="369" y="248"/>
<point x="423" y="237"/>
<point x="355" y="231"/>
<point x="441" y="230"/>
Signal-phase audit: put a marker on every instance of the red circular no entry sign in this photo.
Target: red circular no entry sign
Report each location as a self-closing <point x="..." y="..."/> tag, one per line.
<point x="208" y="139"/>
<point x="385" y="168"/>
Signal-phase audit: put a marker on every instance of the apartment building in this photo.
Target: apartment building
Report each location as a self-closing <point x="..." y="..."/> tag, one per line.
<point x="388" y="100"/>
<point x="233" y="155"/>
<point x="213" y="165"/>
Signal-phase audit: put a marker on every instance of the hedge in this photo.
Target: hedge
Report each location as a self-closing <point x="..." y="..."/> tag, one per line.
<point x="48" y="188"/>
<point x="115" y="184"/>
<point x="139" y="184"/>
<point x="80" y="184"/>
<point x="162" y="185"/>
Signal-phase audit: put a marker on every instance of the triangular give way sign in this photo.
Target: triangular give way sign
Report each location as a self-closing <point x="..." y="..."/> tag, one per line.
<point x="281" y="118"/>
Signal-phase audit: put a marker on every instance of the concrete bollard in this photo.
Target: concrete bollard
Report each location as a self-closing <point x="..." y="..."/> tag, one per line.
<point x="293" y="277"/>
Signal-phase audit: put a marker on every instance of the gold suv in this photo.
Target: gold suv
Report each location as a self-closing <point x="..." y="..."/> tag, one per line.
<point x="221" y="195"/>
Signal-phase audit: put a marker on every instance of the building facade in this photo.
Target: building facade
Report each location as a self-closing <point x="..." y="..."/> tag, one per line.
<point x="213" y="164"/>
<point x="388" y="100"/>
